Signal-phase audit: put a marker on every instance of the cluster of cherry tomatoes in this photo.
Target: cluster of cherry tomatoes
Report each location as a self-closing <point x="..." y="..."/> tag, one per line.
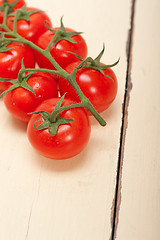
<point x="100" y="87"/>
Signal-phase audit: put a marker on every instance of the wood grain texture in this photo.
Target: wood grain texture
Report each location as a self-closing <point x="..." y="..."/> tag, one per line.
<point x="72" y="199"/>
<point x="140" y="206"/>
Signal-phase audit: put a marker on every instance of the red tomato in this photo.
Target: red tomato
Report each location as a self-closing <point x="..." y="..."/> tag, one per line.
<point x="20" y="101"/>
<point x="19" y="4"/>
<point x="71" y="138"/>
<point x="99" y="89"/>
<point x="32" y="29"/>
<point x="59" y="51"/>
<point x="10" y="61"/>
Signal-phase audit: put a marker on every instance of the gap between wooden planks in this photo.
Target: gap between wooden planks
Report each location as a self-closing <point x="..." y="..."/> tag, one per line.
<point x="117" y="198"/>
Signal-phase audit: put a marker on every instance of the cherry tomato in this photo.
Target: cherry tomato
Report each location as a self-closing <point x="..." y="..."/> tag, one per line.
<point x="20" y="101"/>
<point x="19" y="4"/>
<point x="99" y="89"/>
<point x="31" y="30"/>
<point x="59" y="51"/>
<point x="10" y="61"/>
<point x="70" y="139"/>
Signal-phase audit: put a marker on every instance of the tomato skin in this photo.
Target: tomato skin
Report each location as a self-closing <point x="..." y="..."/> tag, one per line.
<point x="19" y="4"/>
<point x="70" y="139"/>
<point x="10" y="61"/>
<point x="59" y="51"/>
<point x="31" y="30"/>
<point x="20" y="101"/>
<point x="100" y="90"/>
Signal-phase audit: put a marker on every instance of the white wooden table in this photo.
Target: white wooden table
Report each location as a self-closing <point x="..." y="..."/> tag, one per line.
<point x="112" y="189"/>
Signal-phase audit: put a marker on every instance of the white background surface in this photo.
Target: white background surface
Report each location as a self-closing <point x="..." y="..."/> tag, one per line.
<point x="42" y="199"/>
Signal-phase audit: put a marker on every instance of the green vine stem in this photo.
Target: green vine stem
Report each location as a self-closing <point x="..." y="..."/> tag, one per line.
<point x="71" y="78"/>
<point x="56" y="112"/>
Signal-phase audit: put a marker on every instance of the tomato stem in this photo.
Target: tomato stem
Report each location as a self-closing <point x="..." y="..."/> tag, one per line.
<point x="39" y="70"/>
<point x="6" y="10"/>
<point x="15" y="22"/>
<point x="57" y="112"/>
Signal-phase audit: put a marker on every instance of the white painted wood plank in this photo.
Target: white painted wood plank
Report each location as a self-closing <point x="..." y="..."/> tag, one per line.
<point x="140" y="204"/>
<point x="72" y="199"/>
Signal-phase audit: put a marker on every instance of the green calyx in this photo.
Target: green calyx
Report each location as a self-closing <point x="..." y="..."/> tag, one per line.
<point x="3" y="47"/>
<point x="62" y="34"/>
<point x="9" y="5"/>
<point x="94" y="63"/>
<point x="52" y="120"/>
<point x="24" y="14"/>
<point x="21" y="81"/>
